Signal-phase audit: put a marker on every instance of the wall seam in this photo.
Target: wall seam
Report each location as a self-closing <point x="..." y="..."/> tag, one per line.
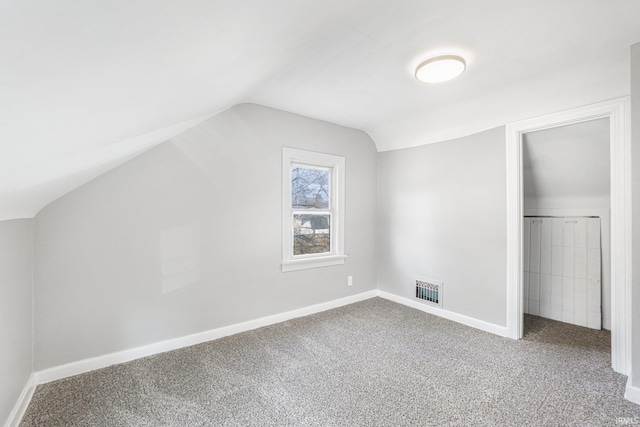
<point x="33" y="299"/>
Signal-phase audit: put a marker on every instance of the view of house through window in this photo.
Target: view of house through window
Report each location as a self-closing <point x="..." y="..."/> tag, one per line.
<point x="312" y="210"/>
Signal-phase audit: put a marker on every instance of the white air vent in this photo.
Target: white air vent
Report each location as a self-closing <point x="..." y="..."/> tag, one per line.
<point x="429" y="291"/>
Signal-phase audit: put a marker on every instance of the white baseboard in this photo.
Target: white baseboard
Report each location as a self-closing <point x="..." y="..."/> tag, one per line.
<point x="86" y="365"/>
<point x="460" y="318"/>
<point x="632" y="393"/>
<point x="23" y="402"/>
<point x="91" y="364"/>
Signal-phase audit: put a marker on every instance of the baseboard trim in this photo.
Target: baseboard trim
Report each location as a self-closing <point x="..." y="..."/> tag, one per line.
<point x="86" y="365"/>
<point x="23" y="402"/>
<point x="632" y="393"/>
<point x="450" y="315"/>
<point x="91" y="364"/>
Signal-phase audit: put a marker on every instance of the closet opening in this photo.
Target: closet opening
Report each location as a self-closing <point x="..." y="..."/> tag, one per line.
<point x="617" y="111"/>
<point x="566" y="227"/>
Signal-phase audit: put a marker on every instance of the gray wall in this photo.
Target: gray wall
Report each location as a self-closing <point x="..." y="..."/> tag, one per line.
<point x="442" y="216"/>
<point x="635" y="206"/>
<point x="187" y="237"/>
<point x="16" y="356"/>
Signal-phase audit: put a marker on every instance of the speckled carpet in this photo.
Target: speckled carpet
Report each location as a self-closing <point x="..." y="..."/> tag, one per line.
<point x="373" y="363"/>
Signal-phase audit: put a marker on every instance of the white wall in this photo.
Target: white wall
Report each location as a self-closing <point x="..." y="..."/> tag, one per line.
<point x="604" y="213"/>
<point x="105" y="276"/>
<point x="635" y="207"/>
<point x="442" y="216"/>
<point x="16" y="356"/>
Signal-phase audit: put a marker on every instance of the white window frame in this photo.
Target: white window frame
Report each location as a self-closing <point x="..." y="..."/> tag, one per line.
<point x="336" y="165"/>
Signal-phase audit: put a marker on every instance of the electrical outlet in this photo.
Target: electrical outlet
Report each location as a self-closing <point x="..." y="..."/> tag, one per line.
<point x="350" y="281"/>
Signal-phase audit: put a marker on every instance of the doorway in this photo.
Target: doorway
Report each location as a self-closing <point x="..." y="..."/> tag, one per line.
<point x="616" y="111"/>
<point x="566" y="225"/>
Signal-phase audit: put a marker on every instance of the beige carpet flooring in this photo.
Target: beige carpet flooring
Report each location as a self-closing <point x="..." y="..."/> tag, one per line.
<point x="373" y="363"/>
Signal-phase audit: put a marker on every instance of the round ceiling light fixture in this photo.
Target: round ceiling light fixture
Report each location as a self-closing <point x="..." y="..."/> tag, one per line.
<point x="440" y="68"/>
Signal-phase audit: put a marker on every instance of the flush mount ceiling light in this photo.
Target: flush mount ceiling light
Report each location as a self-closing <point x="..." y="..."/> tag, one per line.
<point x="440" y="68"/>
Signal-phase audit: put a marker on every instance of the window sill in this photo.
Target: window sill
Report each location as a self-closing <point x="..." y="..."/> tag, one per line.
<point x="304" y="264"/>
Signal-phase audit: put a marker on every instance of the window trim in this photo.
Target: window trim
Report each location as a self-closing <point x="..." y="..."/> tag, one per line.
<point x="336" y="164"/>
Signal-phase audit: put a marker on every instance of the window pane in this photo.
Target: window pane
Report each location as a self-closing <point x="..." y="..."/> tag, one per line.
<point x="311" y="234"/>
<point x="309" y="187"/>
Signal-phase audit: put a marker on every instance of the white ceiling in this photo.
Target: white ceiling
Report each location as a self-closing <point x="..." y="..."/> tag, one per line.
<point x="85" y="85"/>
<point x="568" y="163"/>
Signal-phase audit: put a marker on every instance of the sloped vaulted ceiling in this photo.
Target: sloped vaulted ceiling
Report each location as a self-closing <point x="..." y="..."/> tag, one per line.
<point x="567" y="164"/>
<point x="85" y="85"/>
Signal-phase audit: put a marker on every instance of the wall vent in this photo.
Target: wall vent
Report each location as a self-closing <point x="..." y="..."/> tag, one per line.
<point x="429" y="291"/>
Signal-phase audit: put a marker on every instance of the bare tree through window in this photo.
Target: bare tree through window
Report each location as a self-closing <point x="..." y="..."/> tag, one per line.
<point x="310" y="188"/>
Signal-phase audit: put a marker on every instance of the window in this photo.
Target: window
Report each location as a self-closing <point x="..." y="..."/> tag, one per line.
<point x="313" y="210"/>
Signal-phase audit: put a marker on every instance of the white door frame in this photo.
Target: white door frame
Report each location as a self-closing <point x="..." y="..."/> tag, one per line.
<point x="617" y="110"/>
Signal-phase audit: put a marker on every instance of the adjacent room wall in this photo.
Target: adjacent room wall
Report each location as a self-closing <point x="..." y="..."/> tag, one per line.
<point x="442" y="216"/>
<point x="187" y="238"/>
<point x="16" y="356"/>
<point x="635" y="207"/>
